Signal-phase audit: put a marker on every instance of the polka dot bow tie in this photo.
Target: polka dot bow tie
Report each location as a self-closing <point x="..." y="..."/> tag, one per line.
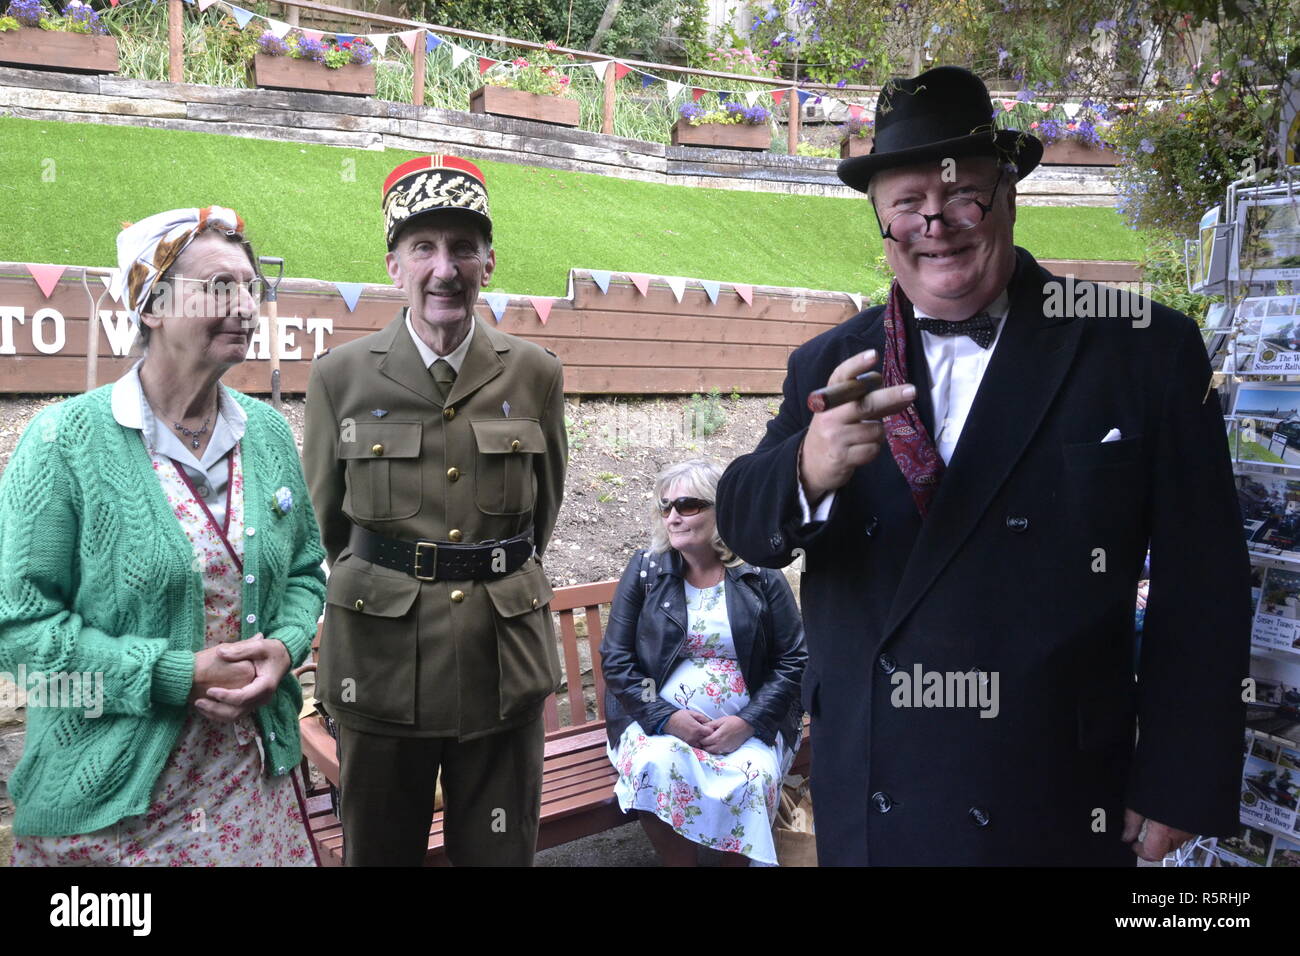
<point x="981" y="328"/>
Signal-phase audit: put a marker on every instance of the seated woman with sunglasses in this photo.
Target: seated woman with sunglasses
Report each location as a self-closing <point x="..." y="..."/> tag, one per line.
<point x="702" y="660"/>
<point x="161" y="557"/>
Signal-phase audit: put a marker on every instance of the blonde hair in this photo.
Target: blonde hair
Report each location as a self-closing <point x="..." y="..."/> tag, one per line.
<point x="698" y="478"/>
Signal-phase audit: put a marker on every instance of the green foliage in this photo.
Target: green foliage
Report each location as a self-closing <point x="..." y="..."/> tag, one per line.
<point x="536" y="73"/>
<point x="8" y="23"/>
<point x="825" y="152"/>
<point x="637" y="28"/>
<point x="1164" y="271"/>
<point x="707" y="413"/>
<point x="693" y="30"/>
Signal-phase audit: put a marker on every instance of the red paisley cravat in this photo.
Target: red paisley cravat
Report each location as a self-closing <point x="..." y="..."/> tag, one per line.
<point x="913" y="449"/>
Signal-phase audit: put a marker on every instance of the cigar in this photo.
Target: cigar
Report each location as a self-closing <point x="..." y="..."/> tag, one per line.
<point x="824" y="399"/>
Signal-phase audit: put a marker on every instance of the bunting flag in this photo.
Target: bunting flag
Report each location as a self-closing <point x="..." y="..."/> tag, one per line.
<point x="620" y="70"/>
<point x="803" y="96"/>
<point x="746" y="292"/>
<point x="856" y="300"/>
<point x="601" y="278"/>
<point x="497" y="302"/>
<point x="114" y="2"/>
<point x="431" y="42"/>
<point x="778" y="96"/>
<point x="678" y="285"/>
<point x="828" y="103"/>
<point x="696" y="93"/>
<point x="1071" y="110"/>
<point x="673" y="89"/>
<point x="277" y="27"/>
<point x="458" y="55"/>
<point x="486" y="63"/>
<point x="241" y="15"/>
<point x="46" y="276"/>
<point x="751" y="97"/>
<point x="408" y="39"/>
<point x="316" y="35"/>
<point x="725" y="97"/>
<point x="600" y="67"/>
<point x="855" y="111"/>
<point x="379" y="41"/>
<point x="543" y="306"/>
<point x="204" y="4"/>
<point x="647" y="80"/>
<point x="351" y="291"/>
<point x="342" y="38"/>
<point x="710" y="289"/>
<point x="642" y="282"/>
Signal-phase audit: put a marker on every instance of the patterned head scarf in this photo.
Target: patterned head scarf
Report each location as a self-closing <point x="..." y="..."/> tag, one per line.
<point x="148" y="248"/>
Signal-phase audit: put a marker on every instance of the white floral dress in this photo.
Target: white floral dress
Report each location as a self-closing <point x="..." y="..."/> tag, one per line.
<point x="726" y="802"/>
<point x="212" y="803"/>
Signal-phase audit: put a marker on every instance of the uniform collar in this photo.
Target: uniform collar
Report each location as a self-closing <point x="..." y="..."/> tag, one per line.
<point x="429" y="356"/>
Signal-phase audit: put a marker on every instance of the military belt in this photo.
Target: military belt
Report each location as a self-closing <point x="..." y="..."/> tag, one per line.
<point x="443" y="560"/>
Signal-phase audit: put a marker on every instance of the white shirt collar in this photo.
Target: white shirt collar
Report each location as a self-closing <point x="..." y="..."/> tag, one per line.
<point x="428" y="356"/>
<point x="996" y="309"/>
<point x="132" y="410"/>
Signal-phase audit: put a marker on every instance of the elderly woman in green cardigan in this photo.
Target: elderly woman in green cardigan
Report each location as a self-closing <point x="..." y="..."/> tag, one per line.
<point x="161" y="575"/>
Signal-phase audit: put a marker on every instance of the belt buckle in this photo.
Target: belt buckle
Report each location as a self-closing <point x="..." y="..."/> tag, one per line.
<point x="416" y="570"/>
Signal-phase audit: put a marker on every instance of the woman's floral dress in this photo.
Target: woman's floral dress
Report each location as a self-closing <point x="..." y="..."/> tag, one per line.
<point x="212" y="803"/>
<point x="726" y="802"/>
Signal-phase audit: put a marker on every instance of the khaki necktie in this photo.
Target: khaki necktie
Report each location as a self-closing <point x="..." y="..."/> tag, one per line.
<point x="444" y="377"/>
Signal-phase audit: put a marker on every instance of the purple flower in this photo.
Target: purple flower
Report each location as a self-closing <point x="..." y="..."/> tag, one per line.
<point x="1147" y="146"/>
<point x="28" y="13"/>
<point x="1024" y="96"/>
<point x="841" y="84"/>
<point x="271" y="45"/>
<point x="310" y="48"/>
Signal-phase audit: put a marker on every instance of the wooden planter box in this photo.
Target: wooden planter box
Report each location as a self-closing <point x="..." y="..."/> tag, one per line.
<point x="855" y="146"/>
<point x="36" y="49"/>
<point x="1069" y="152"/>
<point x="723" y="135"/>
<point x="538" y="107"/>
<point x="288" y="73"/>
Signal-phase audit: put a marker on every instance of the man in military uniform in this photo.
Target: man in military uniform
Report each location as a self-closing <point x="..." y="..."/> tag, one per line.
<point x="435" y="452"/>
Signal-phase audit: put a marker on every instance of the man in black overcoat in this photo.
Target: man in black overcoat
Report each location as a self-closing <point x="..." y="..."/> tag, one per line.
<point x="972" y="534"/>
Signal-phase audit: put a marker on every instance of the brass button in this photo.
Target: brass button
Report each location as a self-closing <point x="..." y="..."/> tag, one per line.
<point x="376" y="450"/>
<point x="453" y="474"/>
<point x="458" y="596"/>
<point x="449" y="413"/>
<point x="514" y="445"/>
<point x="360" y="605"/>
<point x="454" y="534"/>
<point x="534" y="604"/>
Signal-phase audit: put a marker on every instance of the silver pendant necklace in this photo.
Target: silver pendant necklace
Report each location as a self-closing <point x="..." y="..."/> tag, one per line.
<point x="192" y="434"/>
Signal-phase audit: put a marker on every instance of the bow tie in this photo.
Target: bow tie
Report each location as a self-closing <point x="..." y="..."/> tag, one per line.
<point x="981" y="328"/>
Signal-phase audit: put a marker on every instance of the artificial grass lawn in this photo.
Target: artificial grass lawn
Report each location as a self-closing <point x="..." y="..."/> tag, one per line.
<point x="65" y="189"/>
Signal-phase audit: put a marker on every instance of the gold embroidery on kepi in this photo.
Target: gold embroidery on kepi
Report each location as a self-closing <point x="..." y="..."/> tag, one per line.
<point x="432" y="184"/>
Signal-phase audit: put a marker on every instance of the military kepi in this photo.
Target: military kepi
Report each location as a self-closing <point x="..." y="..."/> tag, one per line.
<point x="431" y="184"/>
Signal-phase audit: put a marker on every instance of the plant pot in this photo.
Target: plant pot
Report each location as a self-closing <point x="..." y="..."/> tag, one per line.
<point x="35" y="49"/>
<point x="757" y="138"/>
<point x="538" y="107"/>
<point x="1070" y="152"/>
<point x="855" y="146"/>
<point x="288" y="73"/>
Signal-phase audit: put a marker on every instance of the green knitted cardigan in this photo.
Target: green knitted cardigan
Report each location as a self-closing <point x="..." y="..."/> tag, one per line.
<point x="97" y="576"/>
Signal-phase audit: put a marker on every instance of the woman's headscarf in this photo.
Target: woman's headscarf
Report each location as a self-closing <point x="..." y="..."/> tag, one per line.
<point x="148" y="248"/>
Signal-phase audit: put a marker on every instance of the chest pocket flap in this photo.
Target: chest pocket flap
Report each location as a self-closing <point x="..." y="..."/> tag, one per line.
<point x="505" y="484"/>
<point x="383" y="469"/>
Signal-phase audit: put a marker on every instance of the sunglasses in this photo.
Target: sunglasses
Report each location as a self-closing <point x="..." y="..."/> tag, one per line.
<point x="685" y="506"/>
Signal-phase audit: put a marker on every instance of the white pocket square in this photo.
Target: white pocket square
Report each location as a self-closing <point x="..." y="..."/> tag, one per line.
<point x="1112" y="435"/>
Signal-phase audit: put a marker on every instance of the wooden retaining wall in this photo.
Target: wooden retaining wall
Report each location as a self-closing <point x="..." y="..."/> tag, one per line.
<point x="368" y="123"/>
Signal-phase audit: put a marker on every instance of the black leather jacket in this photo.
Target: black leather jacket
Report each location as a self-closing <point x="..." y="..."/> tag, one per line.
<point x="647" y="628"/>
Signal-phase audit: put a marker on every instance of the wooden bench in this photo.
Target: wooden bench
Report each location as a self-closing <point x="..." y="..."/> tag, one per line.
<point x="577" y="778"/>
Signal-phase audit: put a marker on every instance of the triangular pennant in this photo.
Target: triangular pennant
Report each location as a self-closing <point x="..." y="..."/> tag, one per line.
<point x="828" y="104"/>
<point x="241" y="15"/>
<point x="46" y="276"/>
<point x="710" y="289"/>
<point x="678" y="285"/>
<point x="204" y="4"/>
<point x="746" y="292"/>
<point x="408" y="39"/>
<point x="673" y="89"/>
<point x="351" y="291"/>
<point x="543" y="306"/>
<point x="431" y="42"/>
<point x="379" y="41"/>
<point x="458" y="55"/>
<point x="855" y="111"/>
<point x="600" y="67"/>
<point x="642" y="282"/>
<point x="856" y="299"/>
<point x="620" y="70"/>
<point x="316" y="35"/>
<point x="751" y="97"/>
<point x="277" y="27"/>
<point x="724" y="96"/>
<point x="497" y="302"/>
<point x="803" y="96"/>
<point x="108" y="285"/>
<point x="486" y="63"/>
<point x="778" y="96"/>
<point x="342" y="38"/>
<point x="601" y="278"/>
<point x="114" y="2"/>
<point x="696" y="93"/>
<point x="1071" y="109"/>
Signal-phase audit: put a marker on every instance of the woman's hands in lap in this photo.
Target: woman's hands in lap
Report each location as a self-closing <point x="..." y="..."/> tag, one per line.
<point x="260" y="663"/>
<point x="721" y="736"/>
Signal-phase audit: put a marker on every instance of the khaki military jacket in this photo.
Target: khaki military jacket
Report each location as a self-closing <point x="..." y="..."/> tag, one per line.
<point x="402" y="656"/>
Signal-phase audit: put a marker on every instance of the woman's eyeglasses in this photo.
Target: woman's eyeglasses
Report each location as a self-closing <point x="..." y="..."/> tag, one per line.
<point x="685" y="506"/>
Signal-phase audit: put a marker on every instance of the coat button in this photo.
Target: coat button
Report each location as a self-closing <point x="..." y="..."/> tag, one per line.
<point x="535" y="604"/>
<point x="273" y="736"/>
<point x="887" y="663"/>
<point x="514" y="445"/>
<point x="251" y="619"/>
<point x="458" y="596"/>
<point x="978" y="817"/>
<point x="453" y="474"/>
<point x="776" y="541"/>
<point x="249" y="579"/>
<point x="1017" y="524"/>
<point x="454" y="535"/>
<point x="360" y="605"/>
<point x="873" y="525"/>
<point x="449" y="413"/>
<point x="376" y="450"/>
<point x="881" y="802"/>
<point x="250" y="531"/>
